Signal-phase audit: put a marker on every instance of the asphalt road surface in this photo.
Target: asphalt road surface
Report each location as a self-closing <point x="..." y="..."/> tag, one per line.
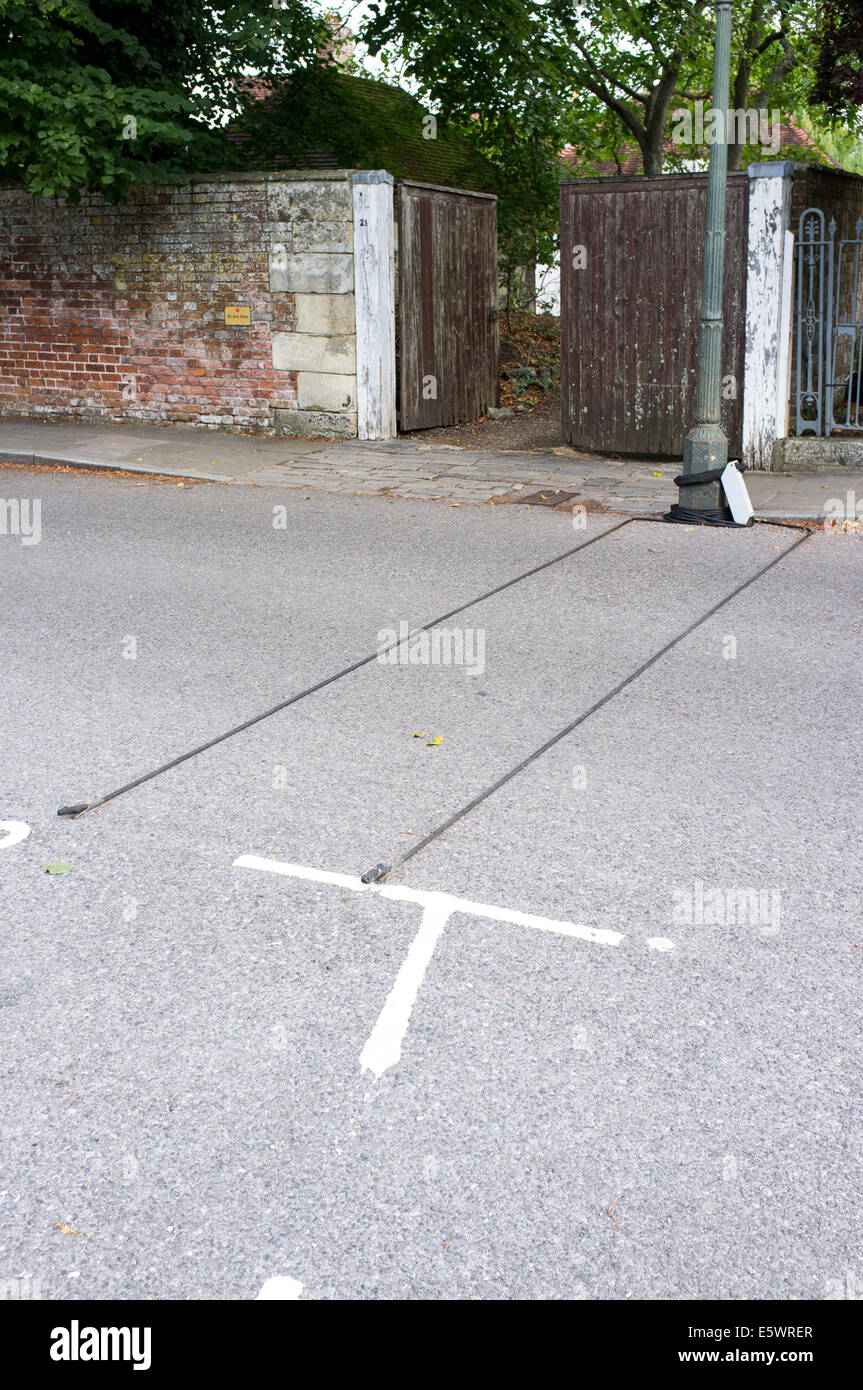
<point x="599" y="1041"/>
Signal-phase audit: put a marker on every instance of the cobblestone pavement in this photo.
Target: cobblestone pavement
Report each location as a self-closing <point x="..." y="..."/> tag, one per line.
<point x="401" y="468"/>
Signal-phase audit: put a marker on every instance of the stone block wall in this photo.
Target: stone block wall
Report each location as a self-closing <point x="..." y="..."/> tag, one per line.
<point x="312" y="262"/>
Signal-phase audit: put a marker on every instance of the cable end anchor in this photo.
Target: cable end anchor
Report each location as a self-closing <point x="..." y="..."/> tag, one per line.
<point x="73" y="811"/>
<point x="376" y="874"/>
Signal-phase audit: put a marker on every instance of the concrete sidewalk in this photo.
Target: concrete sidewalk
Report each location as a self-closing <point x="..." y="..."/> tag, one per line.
<point x="397" y="468"/>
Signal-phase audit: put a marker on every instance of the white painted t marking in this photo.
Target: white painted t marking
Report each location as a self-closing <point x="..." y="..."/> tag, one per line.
<point x="16" y="831"/>
<point x="280" y="1289"/>
<point x="384" y="1047"/>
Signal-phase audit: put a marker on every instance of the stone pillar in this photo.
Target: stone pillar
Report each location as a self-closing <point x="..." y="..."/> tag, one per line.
<point x="313" y="261"/>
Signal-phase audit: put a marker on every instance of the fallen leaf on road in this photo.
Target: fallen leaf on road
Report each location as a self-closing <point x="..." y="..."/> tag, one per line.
<point x="61" y="867"/>
<point x="64" y="1229"/>
<point x="421" y="733"/>
<point x="433" y="742"/>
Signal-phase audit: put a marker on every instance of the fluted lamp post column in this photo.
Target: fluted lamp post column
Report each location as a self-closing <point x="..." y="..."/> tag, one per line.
<point x="706" y="446"/>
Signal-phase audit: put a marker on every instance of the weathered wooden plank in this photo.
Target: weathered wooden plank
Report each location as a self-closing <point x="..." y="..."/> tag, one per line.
<point x="629" y="335"/>
<point x="566" y="307"/>
<point x="786" y="333"/>
<point x="448" y="365"/>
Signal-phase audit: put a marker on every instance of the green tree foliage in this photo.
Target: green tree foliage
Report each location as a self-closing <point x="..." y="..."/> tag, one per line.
<point x="526" y="77"/>
<point x="772" y="56"/>
<point x="101" y="94"/>
<point x="774" y="52"/>
<point x="492" y="72"/>
<point x="634" y="56"/>
<point x="839" y="70"/>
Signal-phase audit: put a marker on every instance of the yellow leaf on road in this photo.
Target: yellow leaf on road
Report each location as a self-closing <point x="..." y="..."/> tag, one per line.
<point x="64" y="1229"/>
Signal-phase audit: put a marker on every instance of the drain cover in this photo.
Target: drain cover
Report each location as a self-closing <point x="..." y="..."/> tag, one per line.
<point x="548" y="497"/>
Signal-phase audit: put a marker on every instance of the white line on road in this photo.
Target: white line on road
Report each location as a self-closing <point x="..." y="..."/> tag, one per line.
<point x="384" y="1046"/>
<point x="280" y="1287"/>
<point x="398" y="893"/>
<point x="16" y="831"/>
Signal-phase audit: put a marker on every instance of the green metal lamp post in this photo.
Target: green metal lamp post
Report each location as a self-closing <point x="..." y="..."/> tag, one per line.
<point x="706" y="446"/>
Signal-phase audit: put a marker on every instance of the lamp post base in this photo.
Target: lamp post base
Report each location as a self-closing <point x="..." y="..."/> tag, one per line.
<point x="702" y="497"/>
<point x="705" y="449"/>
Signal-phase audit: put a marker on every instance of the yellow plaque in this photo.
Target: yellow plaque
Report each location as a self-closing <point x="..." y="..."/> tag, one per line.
<point x="238" y="315"/>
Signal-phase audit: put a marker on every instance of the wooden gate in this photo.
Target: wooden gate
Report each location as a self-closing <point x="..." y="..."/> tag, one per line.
<point x="448" y="335"/>
<point x="631" y="258"/>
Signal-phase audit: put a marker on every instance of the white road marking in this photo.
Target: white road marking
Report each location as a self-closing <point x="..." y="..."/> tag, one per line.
<point x="659" y="943"/>
<point x="384" y="1046"/>
<point x="16" y="831"/>
<point x="398" y="893"/>
<point x="280" y="1287"/>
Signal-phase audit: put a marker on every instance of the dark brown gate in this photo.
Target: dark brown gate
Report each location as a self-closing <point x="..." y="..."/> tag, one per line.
<point x="629" y="317"/>
<point x="448" y="344"/>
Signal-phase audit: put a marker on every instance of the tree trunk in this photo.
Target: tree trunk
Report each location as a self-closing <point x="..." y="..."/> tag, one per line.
<point x="653" y="143"/>
<point x="740" y="88"/>
<point x="656" y="116"/>
<point x="652" y="161"/>
<point x="529" y="272"/>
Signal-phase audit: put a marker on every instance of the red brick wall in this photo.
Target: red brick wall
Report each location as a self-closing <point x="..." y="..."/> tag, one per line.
<point x="838" y="193"/>
<point x="119" y="312"/>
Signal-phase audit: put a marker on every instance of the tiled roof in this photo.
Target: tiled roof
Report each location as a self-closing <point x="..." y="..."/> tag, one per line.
<point x="387" y="125"/>
<point x="794" y="142"/>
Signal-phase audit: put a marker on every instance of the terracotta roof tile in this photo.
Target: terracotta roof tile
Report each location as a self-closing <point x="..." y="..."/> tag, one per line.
<point x="629" y="163"/>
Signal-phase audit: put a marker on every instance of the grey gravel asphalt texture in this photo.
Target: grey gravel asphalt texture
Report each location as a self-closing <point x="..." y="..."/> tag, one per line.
<point x="181" y="1038"/>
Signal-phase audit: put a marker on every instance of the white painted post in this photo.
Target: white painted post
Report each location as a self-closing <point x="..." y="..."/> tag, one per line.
<point x="786" y="333"/>
<point x="769" y="220"/>
<point x="374" y="284"/>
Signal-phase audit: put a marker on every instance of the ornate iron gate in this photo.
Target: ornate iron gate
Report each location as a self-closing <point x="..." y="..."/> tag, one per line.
<point x="829" y="395"/>
<point x="846" y="374"/>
